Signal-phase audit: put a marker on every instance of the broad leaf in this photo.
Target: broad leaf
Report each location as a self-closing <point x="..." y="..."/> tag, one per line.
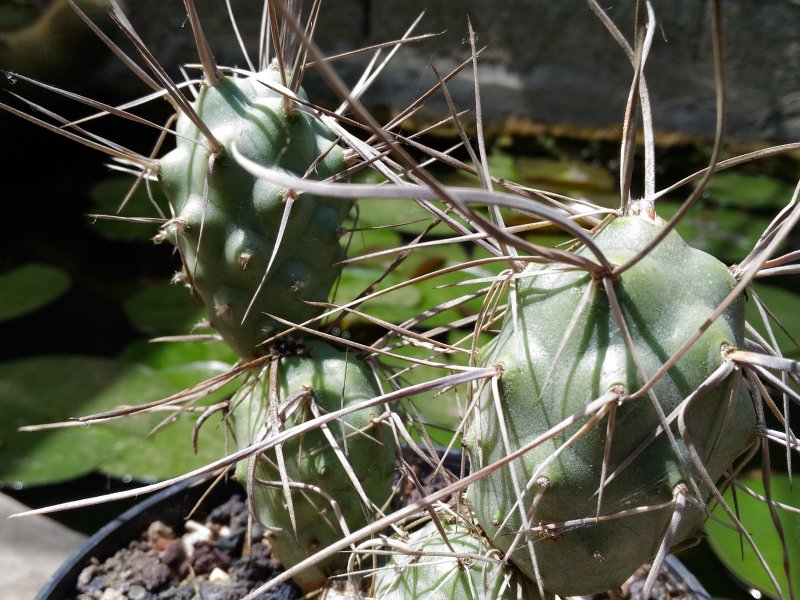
<point x="107" y="197"/>
<point x="748" y="191"/>
<point x="57" y="388"/>
<point x="164" y="309"/>
<point x="755" y="516"/>
<point x="29" y="287"/>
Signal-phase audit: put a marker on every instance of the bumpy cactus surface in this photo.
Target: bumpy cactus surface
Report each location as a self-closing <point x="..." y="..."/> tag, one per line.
<point x="329" y="380"/>
<point x="553" y="369"/>
<point x="466" y="569"/>
<point x="226" y="222"/>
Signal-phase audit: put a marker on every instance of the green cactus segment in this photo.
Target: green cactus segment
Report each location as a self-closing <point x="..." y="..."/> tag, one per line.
<point x="227" y="234"/>
<point x="665" y="298"/>
<point x="335" y="380"/>
<point x="431" y="571"/>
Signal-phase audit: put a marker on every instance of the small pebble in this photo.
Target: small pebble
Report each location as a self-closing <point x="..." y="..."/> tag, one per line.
<point x="195" y="527"/>
<point x="195" y="533"/>
<point x="157" y="530"/>
<point x="219" y="576"/>
<point x="159" y="535"/>
<point x="174" y="555"/>
<point x="139" y="572"/>
<point x="137" y="592"/>
<point x="232" y="542"/>
<point x="206" y="557"/>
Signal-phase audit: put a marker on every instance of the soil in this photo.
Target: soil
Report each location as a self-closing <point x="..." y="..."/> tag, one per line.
<point x="204" y="560"/>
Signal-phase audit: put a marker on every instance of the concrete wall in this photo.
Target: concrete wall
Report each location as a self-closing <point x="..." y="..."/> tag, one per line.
<point x="548" y="61"/>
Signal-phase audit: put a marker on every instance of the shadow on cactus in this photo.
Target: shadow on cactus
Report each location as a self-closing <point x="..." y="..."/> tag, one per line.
<point x="620" y="395"/>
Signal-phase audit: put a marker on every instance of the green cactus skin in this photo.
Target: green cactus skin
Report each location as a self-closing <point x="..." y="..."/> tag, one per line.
<point x="434" y="576"/>
<point x="336" y="380"/>
<point x="665" y="298"/>
<point x="237" y="227"/>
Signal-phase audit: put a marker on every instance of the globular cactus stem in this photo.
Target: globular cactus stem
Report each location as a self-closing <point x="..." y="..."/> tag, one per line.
<point x="318" y="487"/>
<point x="250" y="248"/>
<point x="448" y="560"/>
<point x="600" y="495"/>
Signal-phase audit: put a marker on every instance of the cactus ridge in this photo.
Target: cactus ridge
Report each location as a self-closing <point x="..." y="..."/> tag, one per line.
<point x="664" y="299"/>
<point x="249" y="247"/>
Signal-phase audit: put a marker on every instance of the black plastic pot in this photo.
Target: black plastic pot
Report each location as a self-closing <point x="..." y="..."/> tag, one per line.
<point x="169" y="506"/>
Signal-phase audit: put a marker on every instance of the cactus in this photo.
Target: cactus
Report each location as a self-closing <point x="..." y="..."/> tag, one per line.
<point x="252" y="251"/>
<point x="563" y="349"/>
<point x="460" y="565"/>
<point x="324" y="465"/>
<point x="606" y="415"/>
<point x="239" y="255"/>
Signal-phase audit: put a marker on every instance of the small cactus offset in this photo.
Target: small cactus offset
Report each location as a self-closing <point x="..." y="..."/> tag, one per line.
<point x="609" y="390"/>
<point x="448" y="560"/>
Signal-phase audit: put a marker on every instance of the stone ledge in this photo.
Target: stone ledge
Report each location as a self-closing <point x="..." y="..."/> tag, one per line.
<point x="31" y="550"/>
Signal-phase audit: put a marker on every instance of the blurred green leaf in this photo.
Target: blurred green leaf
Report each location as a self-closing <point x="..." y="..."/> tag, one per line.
<point x="27" y="288"/>
<point x="366" y="241"/>
<point x="782" y="303"/>
<point x="407" y="302"/>
<point x="186" y="364"/>
<point x="565" y="176"/>
<point x="163" y="309"/>
<point x="755" y="516"/>
<point x="399" y="304"/>
<point x="501" y="165"/>
<point x="57" y="388"/>
<point x="166" y="355"/>
<point x="405" y="216"/>
<point x="440" y="410"/>
<point x="748" y="191"/>
<point x="107" y="197"/>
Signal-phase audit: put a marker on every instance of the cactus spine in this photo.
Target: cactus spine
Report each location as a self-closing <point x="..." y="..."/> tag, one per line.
<point x="623" y="395"/>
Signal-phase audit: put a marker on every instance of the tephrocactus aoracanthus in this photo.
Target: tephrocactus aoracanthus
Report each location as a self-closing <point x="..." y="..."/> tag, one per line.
<point x="240" y="253"/>
<point x="565" y="350"/>
<point x="326" y="503"/>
